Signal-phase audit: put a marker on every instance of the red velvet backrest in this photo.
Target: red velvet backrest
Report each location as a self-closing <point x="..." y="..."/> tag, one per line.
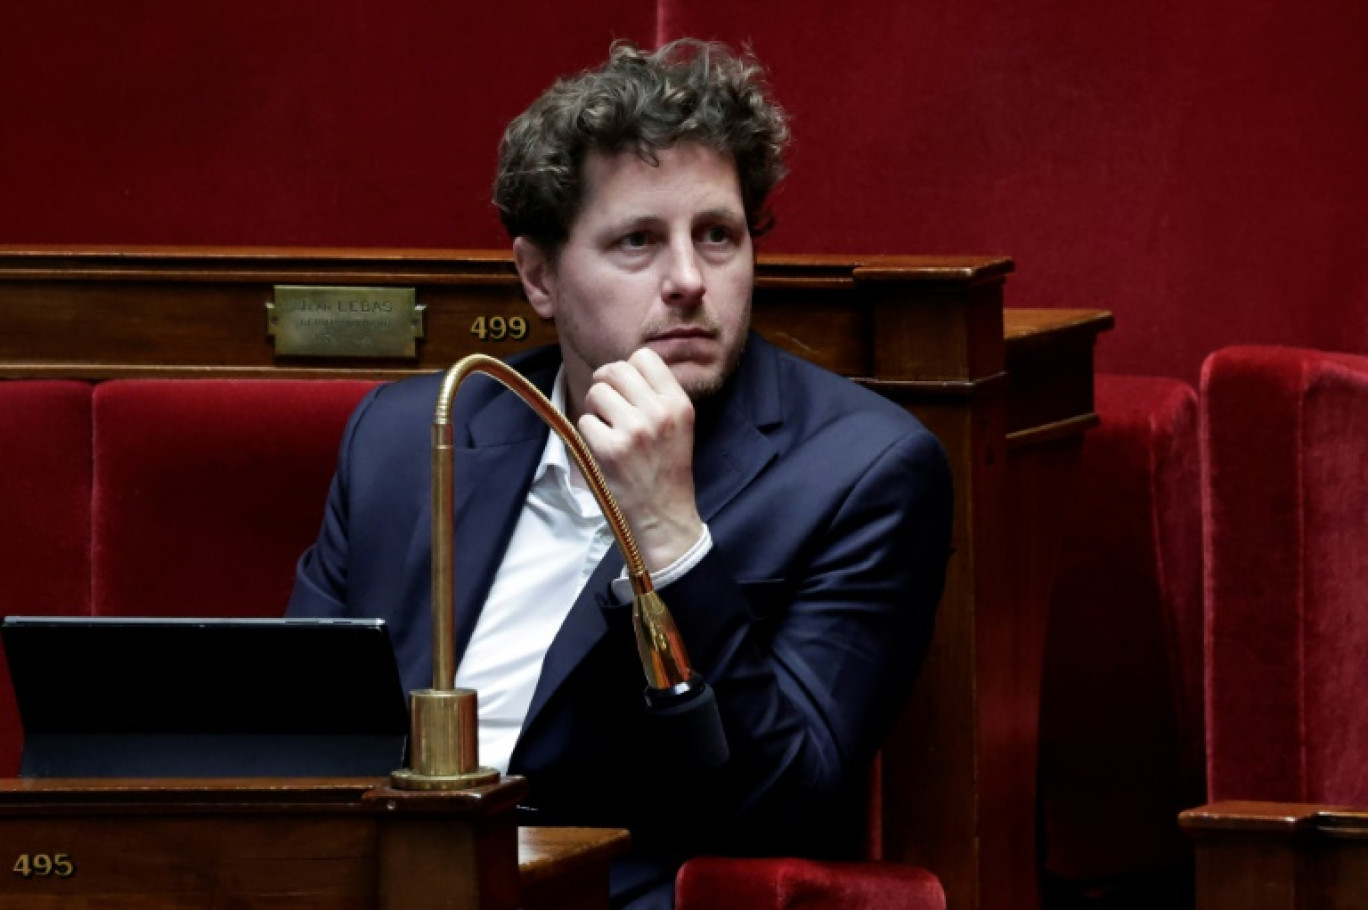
<point x="1121" y="748"/>
<point x="207" y="491"/>
<point x="44" y="515"/>
<point x="1285" y="478"/>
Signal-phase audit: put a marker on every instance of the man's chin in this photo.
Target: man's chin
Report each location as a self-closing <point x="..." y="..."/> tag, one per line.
<point x="704" y="389"/>
<point x="698" y="381"/>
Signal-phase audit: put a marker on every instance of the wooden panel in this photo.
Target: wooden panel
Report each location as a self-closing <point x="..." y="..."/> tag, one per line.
<point x="164" y="844"/>
<point x="94" y="312"/>
<point x="296" y="843"/>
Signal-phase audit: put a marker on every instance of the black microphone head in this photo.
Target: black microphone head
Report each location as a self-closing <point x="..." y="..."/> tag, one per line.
<point x="687" y="723"/>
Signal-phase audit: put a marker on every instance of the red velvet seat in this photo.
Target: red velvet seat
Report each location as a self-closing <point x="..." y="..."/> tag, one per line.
<point x="1121" y="706"/>
<point x="715" y="883"/>
<point x="1285" y="477"/>
<point x="44" y="516"/>
<point x="206" y="492"/>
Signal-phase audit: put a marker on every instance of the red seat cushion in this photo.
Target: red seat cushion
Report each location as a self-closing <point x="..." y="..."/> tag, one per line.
<point x="44" y="515"/>
<point x="207" y="491"/>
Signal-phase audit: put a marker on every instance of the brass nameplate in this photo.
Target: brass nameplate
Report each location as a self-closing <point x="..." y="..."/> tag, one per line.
<point x="344" y="322"/>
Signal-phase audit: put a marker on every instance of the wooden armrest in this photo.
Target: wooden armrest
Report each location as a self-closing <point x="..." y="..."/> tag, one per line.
<point x="1277" y="819"/>
<point x="1279" y="856"/>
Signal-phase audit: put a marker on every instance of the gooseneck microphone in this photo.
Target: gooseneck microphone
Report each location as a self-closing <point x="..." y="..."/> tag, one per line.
<point x="444" y="744"/>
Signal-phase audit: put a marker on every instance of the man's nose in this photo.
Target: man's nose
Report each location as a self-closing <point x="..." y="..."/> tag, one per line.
<point x="682" y="283"/>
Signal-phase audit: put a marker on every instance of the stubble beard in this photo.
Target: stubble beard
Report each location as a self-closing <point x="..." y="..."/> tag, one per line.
<point x="697" y="389"/>
<point x="700" y="389"/>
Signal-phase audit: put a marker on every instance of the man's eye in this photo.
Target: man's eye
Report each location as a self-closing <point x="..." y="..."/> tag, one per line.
<point x="716" y="234"/>
<point x="635" y="241"/>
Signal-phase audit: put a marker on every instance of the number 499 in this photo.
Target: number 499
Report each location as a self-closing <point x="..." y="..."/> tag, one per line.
<point x="496" y="328"/>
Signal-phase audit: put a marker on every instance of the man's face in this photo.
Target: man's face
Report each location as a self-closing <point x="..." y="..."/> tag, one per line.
<point x="659" y="256"/>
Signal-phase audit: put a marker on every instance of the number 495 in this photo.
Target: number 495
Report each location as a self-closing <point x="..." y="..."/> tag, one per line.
<point x="41" y="865"/>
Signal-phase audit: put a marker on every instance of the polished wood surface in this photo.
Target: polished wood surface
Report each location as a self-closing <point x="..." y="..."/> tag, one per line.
<point x="298" y="843"/>
<point x="1279" y="856"/>
<point x="1008" y="391"/>
<point x="260" y="842"/>
<point x="567" y="868"/>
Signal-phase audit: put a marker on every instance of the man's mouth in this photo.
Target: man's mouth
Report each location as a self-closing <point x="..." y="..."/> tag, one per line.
<point x="682" y="333"/>
<point x="683" y="344"/>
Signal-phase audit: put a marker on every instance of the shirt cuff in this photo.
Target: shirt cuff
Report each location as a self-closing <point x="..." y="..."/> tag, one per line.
<point x="622" y="585"/>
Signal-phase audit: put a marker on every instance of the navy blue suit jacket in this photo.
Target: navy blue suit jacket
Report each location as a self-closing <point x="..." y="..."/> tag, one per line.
<point x="829" y="509"/>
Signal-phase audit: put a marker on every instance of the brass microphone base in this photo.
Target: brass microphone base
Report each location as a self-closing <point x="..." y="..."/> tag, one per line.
<point x="406" y="779"/>
<point x="443" y="743"/>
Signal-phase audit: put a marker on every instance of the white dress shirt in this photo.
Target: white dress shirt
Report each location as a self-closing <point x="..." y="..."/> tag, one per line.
<point x="560" y="538"/>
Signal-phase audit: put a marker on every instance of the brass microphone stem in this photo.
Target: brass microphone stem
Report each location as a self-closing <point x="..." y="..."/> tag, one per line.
<point x="516" y="383"/>
<point x="443" y="570"/>
<point x="664" y="659"/>
<point x="444" y="743"/>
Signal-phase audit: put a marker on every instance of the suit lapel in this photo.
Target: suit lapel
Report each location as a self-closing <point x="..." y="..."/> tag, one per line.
<point x="582" y="629"/>
<point x="506" y="440"/>
<point x="485" y="518"/>
<point x="732" y="445"/>
<point x="731" y="450"/>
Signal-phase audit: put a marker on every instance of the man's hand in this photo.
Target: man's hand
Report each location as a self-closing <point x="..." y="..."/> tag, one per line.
<point x="639" y="424"/>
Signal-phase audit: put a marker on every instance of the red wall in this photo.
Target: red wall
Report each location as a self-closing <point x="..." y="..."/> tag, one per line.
<point x="275" y="122"/>
<point x="1200" y="168"/>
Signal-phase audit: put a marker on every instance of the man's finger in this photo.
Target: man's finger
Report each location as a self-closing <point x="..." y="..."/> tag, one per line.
<point x="606" y="403"/>
<point x="625" y="378"/>
<point x="656" y="372"/>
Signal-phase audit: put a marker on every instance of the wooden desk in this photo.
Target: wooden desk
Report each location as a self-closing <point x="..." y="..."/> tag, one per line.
<point x="1279" y="856"/>
<point x="1009" y="392"/>
<point x="297" y="843"/>
<point x="567" y="868"/>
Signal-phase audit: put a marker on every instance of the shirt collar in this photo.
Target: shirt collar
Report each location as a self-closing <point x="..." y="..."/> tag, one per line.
<point x="554" y="457"/>
<point x="553" y="477"/>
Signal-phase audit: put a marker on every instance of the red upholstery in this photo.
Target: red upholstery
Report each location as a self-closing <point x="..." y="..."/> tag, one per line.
<point x="45" y="491"/>
<point x="206" y="492"/>
<point x="44" y="515"/>
<point x="715" y="883"/>
<point x="181" y="497"/>
<point x="1120" y="726"/>
<point x="1285" y="476"/>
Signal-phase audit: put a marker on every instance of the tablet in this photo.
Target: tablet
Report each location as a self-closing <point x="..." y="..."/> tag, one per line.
<point x="156" y="697"/>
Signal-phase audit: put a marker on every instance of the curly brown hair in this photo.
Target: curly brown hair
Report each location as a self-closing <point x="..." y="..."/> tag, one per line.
<point x="687" y="91"/>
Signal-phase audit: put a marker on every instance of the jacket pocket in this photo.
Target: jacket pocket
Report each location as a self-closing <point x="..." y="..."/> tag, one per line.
<point x="768" y="597"/>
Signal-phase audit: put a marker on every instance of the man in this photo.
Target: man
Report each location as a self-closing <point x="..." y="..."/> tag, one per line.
<point x="796" y="525"/>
